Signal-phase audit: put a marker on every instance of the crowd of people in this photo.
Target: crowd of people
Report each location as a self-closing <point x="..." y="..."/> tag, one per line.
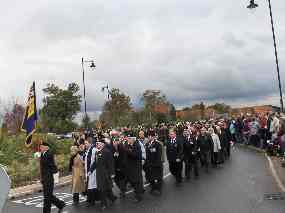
<point x="129" y="157"/>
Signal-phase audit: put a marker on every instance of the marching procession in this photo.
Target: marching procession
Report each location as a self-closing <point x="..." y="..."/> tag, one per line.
<point x="129" y="157"/>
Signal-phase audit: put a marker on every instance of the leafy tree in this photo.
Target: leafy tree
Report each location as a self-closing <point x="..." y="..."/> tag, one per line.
<point x="220" y="108"/>
<point x="202" y="108"/>
<point x="117" y="110"/>
<point x="172" y="113"/>
<point x="60" y="107"/>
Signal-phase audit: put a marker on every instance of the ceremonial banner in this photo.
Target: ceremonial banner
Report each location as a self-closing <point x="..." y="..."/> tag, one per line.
<point x="31" y="117"/>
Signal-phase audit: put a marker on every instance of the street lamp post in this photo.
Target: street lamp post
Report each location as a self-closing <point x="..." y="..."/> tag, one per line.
<point x="253" y="5"/>
<point x="92" y="66"/>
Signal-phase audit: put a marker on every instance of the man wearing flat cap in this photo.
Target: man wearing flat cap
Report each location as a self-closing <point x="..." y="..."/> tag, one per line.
<point x="48" y="169"/>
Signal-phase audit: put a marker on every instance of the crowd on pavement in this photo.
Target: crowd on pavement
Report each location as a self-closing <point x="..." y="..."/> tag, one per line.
<point x="131" y="156"/>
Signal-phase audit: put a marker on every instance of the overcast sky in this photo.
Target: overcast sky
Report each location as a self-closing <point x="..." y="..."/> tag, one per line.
<point x="191" y="50"/>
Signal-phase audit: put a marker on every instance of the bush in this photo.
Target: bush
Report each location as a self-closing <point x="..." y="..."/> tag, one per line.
<point x="22" y="167"/>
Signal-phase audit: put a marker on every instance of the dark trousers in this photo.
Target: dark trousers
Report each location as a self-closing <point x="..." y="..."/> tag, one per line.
<point x="223" y="155"/>
<point x="155" y="177"/>
<point x="108" y="194"/>
<point x="215" y="158"/>
<point x="254" y="140"/>
<point x="175" y="169"/>
<point x="49" y="198"/>
<point x="191" y="164"/>
<point x="156" y="185"/>
<point x="228" y="149"/>
<point x="75" y="197"/>
<point x="120" y="180"/>
<point x="92" y="195"/>
<point x="205" y="158"/>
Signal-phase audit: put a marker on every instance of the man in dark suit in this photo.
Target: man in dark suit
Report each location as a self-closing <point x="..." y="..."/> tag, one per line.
<point x="205" y="145"/>
<point x="174" y="152"/>
<point x="190" y="154"/>
<point x="48" y="169"/>
<point x="105" y="173"/>
<point x="134" y="167"/>
<point x="153" y="164"/>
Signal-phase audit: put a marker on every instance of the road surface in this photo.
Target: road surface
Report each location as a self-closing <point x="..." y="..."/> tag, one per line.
<point x="239" y="186"/>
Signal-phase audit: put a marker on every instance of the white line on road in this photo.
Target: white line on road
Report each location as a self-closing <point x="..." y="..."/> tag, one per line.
<point x="275" y="175"/>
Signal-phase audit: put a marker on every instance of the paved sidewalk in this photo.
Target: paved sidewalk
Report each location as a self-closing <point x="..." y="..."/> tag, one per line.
<point x="37" y="187"/>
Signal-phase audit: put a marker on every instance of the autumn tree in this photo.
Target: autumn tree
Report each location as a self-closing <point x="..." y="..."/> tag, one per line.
<point x="156" y="104"/>
<point x="13" y="119"/>
<point x="118" y="110"/>
<point x="220" y="108"/>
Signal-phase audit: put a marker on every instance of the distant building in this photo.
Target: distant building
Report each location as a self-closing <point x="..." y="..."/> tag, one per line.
<point x="264" y="109"/>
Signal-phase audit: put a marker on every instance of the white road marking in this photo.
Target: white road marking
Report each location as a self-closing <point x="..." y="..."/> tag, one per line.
<point x="38" y="200"/>
<point x="274" y="173"/>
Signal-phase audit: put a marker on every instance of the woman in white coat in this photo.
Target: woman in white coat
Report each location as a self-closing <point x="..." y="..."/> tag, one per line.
<point x="216" y="146"/>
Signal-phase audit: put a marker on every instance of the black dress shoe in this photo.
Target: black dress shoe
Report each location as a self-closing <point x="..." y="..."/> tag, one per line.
<point x="113" y="200"/>
<point x="137" y="199"/>
<point x="122" y="195"/>
<point x="103" y="207"/>
<point x="60" y="210"/>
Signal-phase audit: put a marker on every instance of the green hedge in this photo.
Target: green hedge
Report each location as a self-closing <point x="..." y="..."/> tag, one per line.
<point x="21" y="166"/>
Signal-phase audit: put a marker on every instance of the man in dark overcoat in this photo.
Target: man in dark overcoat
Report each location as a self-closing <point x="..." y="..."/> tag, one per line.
<point x="174" y="152"/>
<point x="134" y="166"/>
<point x="154" y="163"/>
<point x="47" y="170"/>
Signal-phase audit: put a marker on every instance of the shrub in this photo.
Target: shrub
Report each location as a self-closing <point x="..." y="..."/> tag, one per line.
<point x="22" y="167"/>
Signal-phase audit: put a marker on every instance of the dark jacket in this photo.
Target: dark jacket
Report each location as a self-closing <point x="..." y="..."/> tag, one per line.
<point x="47" y="167"/>
<point x="174" y="150"/>
<point x="104" y="169"/>
<point x="205" y="143"/>
<point x="153" y="163"/>
<point x="133" y="166"/>
<point x="225" y="138"/>
<point x="190" y="147"/>
<point x="120" y="157"/>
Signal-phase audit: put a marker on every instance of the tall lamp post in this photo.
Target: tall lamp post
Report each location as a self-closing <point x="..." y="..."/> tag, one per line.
<point x="253" y="5"/>
<point x="92" y="66"/>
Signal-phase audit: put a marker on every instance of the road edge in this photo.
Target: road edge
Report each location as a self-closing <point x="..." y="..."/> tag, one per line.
<point x="271" y="166"/>
<point x="36" y="188"/>
<point x="274" y="173"/>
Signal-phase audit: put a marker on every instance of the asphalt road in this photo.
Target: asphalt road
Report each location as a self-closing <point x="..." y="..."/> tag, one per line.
<point x="238" y="187"/>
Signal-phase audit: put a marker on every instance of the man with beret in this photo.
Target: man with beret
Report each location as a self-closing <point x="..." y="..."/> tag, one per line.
<point x="48" y="169"/>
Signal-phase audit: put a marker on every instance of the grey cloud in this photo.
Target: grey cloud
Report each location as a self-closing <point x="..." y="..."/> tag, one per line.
<point x="191" y="50"/>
